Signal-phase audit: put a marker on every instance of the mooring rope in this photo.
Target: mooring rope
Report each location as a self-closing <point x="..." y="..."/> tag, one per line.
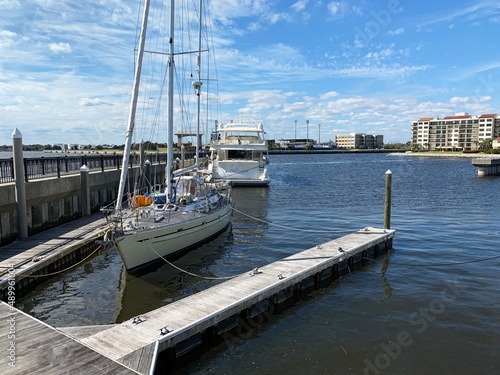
<point x="292" y="228"/>
<point x="61" y="271"/>
<point x="188" y="272"/>
<point x="436" y="265"/>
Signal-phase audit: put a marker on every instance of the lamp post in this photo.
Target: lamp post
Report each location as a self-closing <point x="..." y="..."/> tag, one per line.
<point x="319" y="133"/>
<point x="307" y="133"/>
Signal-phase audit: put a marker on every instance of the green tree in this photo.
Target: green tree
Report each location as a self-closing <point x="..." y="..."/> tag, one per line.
<point x="486" y="144"/>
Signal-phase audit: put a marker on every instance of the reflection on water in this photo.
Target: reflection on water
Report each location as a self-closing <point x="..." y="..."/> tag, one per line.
<point x="102" y="292"/>
<point x="442" y="213"/>
<point x="153" y="288"/>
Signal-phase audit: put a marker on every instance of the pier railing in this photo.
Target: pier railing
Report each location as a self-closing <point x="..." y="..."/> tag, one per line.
<point x="56" y="166"/>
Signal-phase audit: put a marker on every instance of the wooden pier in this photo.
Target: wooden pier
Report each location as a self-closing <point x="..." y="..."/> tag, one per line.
<point x="48" y="252"/>
<point x="32" y="347"/>
<point x="178" y="327"/>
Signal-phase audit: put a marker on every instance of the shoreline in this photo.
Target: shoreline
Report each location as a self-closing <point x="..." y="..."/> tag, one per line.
<point x="432" y="155"/>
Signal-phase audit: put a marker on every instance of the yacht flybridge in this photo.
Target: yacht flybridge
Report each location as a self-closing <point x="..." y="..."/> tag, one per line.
<point x="239" y="155"/>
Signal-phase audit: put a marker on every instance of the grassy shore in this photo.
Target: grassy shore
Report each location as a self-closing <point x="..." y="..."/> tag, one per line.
<point x="450" y="154"/>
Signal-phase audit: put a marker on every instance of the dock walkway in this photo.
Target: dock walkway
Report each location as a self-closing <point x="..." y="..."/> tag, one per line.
<point x="31" y="347"/>
<point x="182" y="325"/>
<point x="49" y="251"/>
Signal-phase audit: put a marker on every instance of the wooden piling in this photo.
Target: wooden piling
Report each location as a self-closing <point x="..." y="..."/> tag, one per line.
<point x="388" y="198"/>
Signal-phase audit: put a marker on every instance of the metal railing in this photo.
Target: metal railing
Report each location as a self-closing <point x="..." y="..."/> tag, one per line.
<point x="43" y="167"/>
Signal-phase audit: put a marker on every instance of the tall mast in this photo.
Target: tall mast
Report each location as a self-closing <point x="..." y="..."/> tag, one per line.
<point x="197" y="86"/>
<point x="133" y="107"/>
<point x="170" y="106"/>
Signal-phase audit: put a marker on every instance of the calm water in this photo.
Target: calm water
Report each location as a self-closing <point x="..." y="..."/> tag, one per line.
<point x="412" y="312"/>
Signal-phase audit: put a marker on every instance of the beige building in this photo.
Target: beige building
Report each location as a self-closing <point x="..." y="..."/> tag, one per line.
<point x="355" y="140"/>
<point x="460" y="132"/>
<point x="496" y="143"/>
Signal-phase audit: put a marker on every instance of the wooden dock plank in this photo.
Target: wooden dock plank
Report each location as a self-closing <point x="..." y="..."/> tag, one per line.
<point x="195" y="313"/>
<point x="41" y="349"/>
<point x="31" y="254"/>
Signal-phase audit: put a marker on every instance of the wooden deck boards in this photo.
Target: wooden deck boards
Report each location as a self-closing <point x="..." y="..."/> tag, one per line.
<point x="41" y="349"/>
<point x="195" y="313"/>
<point x="42" y="246"/>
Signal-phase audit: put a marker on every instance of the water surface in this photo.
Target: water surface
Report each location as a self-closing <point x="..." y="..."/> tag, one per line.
<point x="425" y="308"/>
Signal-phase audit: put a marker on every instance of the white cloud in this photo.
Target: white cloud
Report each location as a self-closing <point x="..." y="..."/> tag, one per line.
<point x="300" y="5"/>
<point x="399" y="31"/>
<point x="60" y="47"/>
<point x="227" y="11"/>
<point x="254" y="26"/>
<point x="93" y="102"/>
<point x="483" y="8"/>
<point x="276" y="17"/>
<point x="338" y="9"/>
<point x="329" y="95"/>
<point x="383" y="71"/>
<point x="7" y="39"/>
<point x="459" y="100"/>
<point x="10" y="4"/>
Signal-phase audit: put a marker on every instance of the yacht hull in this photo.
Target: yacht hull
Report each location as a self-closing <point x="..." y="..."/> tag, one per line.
<point x="140" y="248"/>
<point x="244" y="182"/>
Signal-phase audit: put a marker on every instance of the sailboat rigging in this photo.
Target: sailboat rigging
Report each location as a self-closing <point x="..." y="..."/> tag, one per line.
<point x="190" y="209"/>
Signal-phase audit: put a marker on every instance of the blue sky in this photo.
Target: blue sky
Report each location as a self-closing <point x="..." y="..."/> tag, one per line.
<point x="66" y="67"/>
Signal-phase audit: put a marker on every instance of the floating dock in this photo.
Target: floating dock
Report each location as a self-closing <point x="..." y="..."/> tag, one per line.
<point x="32" y="347"/>
<point x="48" y="252"/>
<point x="175" y="329"/>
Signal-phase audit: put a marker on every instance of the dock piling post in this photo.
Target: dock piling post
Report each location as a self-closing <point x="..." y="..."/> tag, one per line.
<point x="387" y="205"/>
<point x="19" y="175"/>
<point x="85" y="189"/>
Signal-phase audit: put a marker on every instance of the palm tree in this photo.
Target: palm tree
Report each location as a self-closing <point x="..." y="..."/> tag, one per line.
<point x="486" y="144"/>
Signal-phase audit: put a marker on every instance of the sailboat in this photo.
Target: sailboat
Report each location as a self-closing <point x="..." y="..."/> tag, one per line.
<point x="189" y="210"/>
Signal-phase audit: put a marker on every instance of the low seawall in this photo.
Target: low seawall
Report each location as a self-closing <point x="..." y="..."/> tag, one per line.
<point x="53" y="201"/>
<point x="335" y="151"/>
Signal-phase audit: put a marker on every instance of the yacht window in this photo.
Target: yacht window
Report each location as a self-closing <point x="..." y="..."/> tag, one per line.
<point x="239" y="154"/>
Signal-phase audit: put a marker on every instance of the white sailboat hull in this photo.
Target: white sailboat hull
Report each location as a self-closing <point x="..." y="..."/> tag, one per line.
<point x="139" y="248"/>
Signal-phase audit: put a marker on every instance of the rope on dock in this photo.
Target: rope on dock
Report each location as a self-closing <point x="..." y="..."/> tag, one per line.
<point x="287" y="227"/>
<point x="60" y="271"/>
<point x="233" y="276"/>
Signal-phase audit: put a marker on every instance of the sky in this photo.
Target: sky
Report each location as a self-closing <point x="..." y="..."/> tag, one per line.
<point x="364" y="66"/>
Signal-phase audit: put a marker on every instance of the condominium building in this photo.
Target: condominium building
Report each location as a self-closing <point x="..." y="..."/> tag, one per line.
<point x="355" y="140"/>
<point x="460" y="132"/>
